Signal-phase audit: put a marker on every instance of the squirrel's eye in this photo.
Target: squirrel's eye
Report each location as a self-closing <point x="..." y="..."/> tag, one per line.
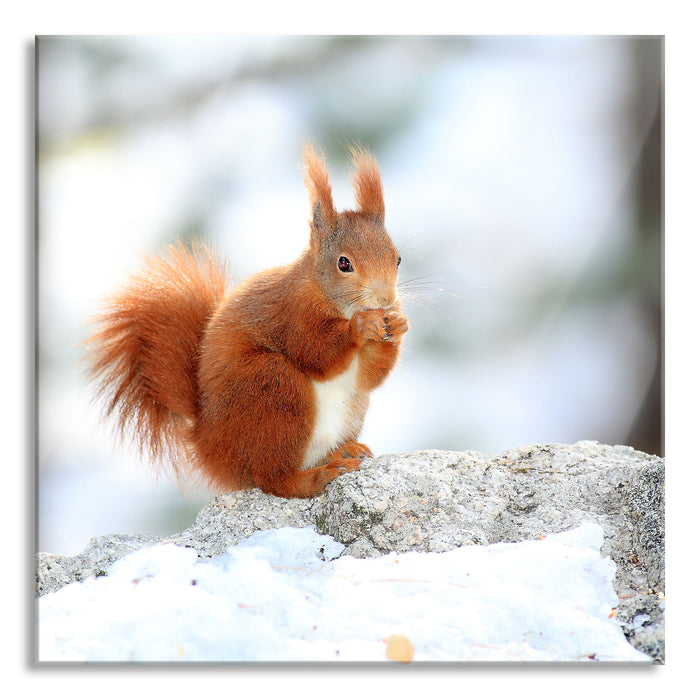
<point x="399" y="262"/>
<point x="344" y="265"/>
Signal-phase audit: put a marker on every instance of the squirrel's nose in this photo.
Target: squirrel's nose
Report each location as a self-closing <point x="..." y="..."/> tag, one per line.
<point x="385" y="295"/>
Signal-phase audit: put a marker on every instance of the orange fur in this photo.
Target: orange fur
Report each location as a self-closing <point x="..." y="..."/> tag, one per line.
<point x="266" y="385"/>
<point x="367" y="183"/>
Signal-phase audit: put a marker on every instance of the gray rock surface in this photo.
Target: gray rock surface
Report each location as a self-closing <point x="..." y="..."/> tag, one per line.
<point x="434" y="501"/>
<point x="53" y="571"/>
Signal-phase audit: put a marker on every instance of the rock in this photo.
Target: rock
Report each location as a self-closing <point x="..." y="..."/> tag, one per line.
<point x="642" y="615"/>
<point x="55" y="571"/>
<point x="434" y="501"/>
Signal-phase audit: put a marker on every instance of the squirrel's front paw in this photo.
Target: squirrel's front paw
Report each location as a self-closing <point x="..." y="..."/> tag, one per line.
<point x="395" y="326"/>
<point x="369" y="325"/>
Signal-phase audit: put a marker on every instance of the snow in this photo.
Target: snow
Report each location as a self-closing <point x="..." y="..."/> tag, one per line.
<point x="287" y="595"/>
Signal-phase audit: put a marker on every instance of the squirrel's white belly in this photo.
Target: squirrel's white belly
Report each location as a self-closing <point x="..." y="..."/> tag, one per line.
<point x="337" y="415"/>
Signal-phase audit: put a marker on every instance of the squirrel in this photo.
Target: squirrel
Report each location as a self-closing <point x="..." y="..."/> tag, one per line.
<point x="267" y="384"/>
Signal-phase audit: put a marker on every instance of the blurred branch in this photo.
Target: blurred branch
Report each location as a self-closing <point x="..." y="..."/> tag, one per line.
<point x="647" y="432"/>
<point x="300" y="59"/>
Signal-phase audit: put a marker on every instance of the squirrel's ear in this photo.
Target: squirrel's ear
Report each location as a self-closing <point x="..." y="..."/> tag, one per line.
<point x="324" y="218"/>
<point x="367" y="183"/>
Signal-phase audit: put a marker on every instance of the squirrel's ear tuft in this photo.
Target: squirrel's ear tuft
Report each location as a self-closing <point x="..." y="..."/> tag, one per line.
<point x="324" y="218"/>
<point x="367" y="183"/>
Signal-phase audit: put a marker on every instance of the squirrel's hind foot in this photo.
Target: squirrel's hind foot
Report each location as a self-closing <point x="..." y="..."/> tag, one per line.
<point x="310" y="482"/>
<point x="350" y="448"/>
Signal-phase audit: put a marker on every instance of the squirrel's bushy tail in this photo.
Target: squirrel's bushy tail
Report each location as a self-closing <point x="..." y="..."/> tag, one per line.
<point x="143" y="356"/>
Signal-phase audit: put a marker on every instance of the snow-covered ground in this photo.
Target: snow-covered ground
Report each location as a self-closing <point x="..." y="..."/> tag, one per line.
<point x="286" y="595"/>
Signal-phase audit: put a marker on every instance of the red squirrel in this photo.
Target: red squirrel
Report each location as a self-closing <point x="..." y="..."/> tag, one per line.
<point x="267" y="384"/>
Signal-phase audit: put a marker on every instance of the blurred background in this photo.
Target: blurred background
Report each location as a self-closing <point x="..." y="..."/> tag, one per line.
<point x="523" y="182"/>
